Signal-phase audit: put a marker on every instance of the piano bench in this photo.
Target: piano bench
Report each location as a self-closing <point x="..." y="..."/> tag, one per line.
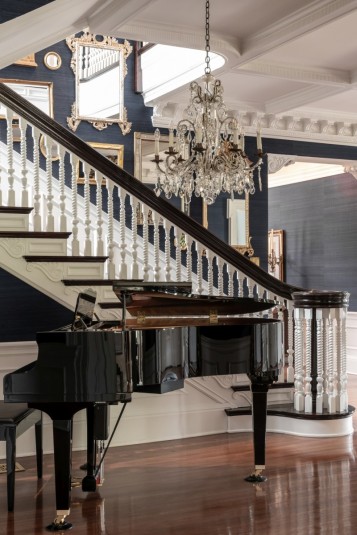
<point x="15" y="419"/>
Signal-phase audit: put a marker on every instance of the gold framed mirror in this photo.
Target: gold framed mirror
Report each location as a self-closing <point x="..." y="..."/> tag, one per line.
<point x="99" y="67"/>
<point x="52" y="60"/>
<point x="238" y="225"/>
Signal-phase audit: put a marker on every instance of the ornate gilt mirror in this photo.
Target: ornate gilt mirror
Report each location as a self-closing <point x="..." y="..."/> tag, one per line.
<point x="99" y="67"/>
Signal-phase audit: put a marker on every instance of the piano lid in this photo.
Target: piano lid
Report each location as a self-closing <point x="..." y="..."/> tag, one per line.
<point x="175" y="299"/>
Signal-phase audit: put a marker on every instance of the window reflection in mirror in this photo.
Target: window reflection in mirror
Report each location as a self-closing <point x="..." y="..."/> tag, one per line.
<point x="238" y="225"/>
<point x="100" y="68"/>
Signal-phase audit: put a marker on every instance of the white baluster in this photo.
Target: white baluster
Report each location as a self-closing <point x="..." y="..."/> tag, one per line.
<point x="110" y="231"/>
<point x="240" y="280"/>
<point x="157" y="267"/>
<point x="250" y="285"/>
<point x="299" y="341"/>
<point x="220" y="276"/>
<point x="178" y="233"/>
<point x="319" y="362"/>
<point x="87" y="229"/>
<point x="63" y="217"/>
<point x="37" y="222"/>
<point x="341" y="401"/>
<point x="344" y="393"/>
<point x="50" y="224"/>
<point x="189" y="242"/>
<point x="146" y="266"/>
<point x="209" y="271"/>
<point x="99" y="180"/>
<point x="134" y="238"/>
<point x="331" y="376"/>
<point x="231" y="273"/>
<point x="10" y="158"/>
<point x="325" y="317"/>
<point x="290" y="371"/>
<point x="167" y="228"/>
<point x="75" y="221"/>
<point x="23" y="150"/>
<point x="123" y="270"/>
<point x="308" y="378"/>
<point x="199" y="248"/>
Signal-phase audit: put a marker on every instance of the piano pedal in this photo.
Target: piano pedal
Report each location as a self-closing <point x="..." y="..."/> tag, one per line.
<point x="76" y="482"/>
<point x="59" y="524"/>
<point x="256" y="476"/>
<point x="89" y="484"/>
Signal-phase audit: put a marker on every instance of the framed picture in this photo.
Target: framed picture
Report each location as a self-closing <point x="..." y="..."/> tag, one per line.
<point x="114" y="153"/>
<point x="27" y="61"/>
<point x="276" y="253"/>
<point x="40" y="94"/>
<point x="144" y="153"/>
<point x="238" y="225"/>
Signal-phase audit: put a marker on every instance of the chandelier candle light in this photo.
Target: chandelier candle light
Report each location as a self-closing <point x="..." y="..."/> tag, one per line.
<point x="207" y="154"/>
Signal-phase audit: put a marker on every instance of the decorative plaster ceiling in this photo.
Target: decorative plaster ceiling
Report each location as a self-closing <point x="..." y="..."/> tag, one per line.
<point x="290" y="64"/>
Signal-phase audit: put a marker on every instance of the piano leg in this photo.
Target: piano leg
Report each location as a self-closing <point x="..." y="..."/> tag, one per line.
<point x="62" y="443"/>
<point x="89" y="481"/>
<point x="259" y="401"/>
<point x="61" y="415"/>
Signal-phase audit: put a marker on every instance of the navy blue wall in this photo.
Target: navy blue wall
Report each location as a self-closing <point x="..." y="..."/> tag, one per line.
<point x="320" y="225"/>
<point x="15" y="8"/>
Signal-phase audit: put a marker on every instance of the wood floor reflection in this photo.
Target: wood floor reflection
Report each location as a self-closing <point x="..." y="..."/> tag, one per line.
<point x="196" y="487"/>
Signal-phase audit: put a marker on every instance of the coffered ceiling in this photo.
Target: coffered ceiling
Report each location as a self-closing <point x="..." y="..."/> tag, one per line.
<point x="289" y="64"/>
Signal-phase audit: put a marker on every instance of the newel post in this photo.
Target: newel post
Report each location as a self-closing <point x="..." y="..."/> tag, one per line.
<point x="320" y="351"/>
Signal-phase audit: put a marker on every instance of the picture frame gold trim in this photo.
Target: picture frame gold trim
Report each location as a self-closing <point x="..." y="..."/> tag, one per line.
<point x="245" y="247"/>
<point x="112" y="151"/>
<point x="27" y="61"/>
<point x="52" y="60"/>
<point x="276" y="247"/>
<point x="26" y="89"/>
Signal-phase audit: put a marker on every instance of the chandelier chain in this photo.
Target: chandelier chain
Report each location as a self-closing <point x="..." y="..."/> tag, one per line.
<point x="208" y="48"/>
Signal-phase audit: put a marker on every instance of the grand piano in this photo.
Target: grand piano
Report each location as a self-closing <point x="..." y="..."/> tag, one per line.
<point x="166" y="334"/>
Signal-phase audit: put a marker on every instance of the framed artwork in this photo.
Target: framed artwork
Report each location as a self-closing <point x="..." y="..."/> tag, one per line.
<point x="27" y="61"/>
<point x="114" y="153"/>
<point x="144" y="153"/>
<point x="276" y="253"/>
<point x="40" y="94"/>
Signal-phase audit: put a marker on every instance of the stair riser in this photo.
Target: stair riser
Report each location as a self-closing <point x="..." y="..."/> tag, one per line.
<point x="14" y="222"/>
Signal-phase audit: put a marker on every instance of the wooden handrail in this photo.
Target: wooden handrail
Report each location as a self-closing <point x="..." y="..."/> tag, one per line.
<point x="123" y="179"/>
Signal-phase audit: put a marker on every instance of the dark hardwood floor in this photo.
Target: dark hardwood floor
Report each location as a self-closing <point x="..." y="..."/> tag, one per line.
<point x="196" y="487"/>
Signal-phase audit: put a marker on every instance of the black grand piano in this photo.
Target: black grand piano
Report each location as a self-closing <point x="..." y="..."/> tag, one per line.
<point x="166" y="334"/>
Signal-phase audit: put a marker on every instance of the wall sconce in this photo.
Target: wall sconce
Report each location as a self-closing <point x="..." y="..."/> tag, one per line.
<point x="275" y="253"/>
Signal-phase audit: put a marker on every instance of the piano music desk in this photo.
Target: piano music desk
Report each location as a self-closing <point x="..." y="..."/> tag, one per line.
<point x="15" y="419"/>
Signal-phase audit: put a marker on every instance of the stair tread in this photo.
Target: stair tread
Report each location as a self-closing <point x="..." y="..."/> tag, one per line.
<point x="53" y="258"/>
<point x="33" y="234"/>
<point x="86" y="282"/>
<point x="15" y="210"/>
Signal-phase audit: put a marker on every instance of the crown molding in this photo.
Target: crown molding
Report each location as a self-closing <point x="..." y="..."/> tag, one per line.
<point x="334" y="130"/>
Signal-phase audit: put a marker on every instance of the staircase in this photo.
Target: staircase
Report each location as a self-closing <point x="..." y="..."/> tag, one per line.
<point x="61" y="237"/>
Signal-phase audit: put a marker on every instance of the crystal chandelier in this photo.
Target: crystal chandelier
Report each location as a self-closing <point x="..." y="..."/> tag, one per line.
<point x="206" y="154"/>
